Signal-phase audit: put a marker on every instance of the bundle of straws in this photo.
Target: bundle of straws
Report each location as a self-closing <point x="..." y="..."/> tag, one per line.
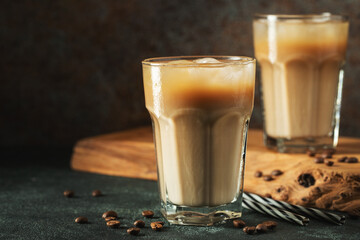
<point x="289" y="212"/>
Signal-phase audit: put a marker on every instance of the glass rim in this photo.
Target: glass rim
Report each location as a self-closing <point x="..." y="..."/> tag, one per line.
<point x="316" y="17"/>
<point x="230" y="60"/>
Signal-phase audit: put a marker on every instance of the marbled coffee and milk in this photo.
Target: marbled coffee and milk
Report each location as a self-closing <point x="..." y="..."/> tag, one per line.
<point x="200" y="110"/>
<point x="300" y="64"/>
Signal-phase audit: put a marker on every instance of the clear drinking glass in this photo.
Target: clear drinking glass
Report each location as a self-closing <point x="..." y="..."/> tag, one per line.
<point x="301" y="59"/>
<point x="200" y="109"/>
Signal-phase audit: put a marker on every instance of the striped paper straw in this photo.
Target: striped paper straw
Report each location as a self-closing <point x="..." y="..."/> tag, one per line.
<point x="311" y="212"/>
<point x="275" y="212"/>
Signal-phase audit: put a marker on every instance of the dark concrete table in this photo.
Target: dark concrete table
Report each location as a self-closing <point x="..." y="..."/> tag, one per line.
<point x="33" y="206"/>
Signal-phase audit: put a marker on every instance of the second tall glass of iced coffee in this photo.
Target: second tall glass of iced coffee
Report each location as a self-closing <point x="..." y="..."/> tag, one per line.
<point x="200" y="109"/>
<point x="301" y="59"/>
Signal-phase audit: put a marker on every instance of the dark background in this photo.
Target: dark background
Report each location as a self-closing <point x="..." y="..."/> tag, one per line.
<point x="72" y="69"/>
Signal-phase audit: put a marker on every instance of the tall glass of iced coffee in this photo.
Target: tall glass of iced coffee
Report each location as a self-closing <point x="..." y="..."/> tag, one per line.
<point x="301" y="59"/>
<point x="200" y="109"/>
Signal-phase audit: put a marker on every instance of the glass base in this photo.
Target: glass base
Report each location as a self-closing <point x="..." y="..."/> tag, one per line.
<point x="201" y="216"/>
<point x="301" y="144"/>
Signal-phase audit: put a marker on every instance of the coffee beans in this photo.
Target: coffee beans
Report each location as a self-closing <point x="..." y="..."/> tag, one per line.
<point x="328" y="163"/>
<point x="319" y="160"/>
<point x="69" y="193"/>
<point x="81" y="220"/>
<point x="249" y="230"/>
<point x="310" y="153"/>
<point x="239" y="223"/>
<point x="113" y="223"/>
<point x="258" y="174"/>
<point x="326" y="155"/>
<point x="156" y="226"/>
<point x="306" y="180"/>
<point x="96" y="193"/>
<point x="109" y="214"/>
<point x="139" y="223"/>
<point x="261" y="228"/>
<point x="276" y="172"/>
<point x="148" y="213"/>
<point x="352" y="160"/>
<point x="133" y="231"/>
<point x="342" y="159"/>
<point x="271" y="225"/>
<point x="110" y="218"/>
<point x="268" y="178"/>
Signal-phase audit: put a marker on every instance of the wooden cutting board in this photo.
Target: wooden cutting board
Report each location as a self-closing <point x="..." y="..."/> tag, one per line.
<point x="131" y="154"/>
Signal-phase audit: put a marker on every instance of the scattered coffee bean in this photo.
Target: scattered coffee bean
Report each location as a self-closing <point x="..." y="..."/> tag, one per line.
<point x="268" y="178"/>
<point x="148" y="213"/>
<point x="261" y="228"/>
<point x="326" y="155"/>
<point x="310" y="153"/>
<point x="69" y="193"/>
<point x="133" y="231"/>
<point x="110" y="218"/>
<point x="351" y="160"/>
<point x="96" y="193"/>
<point x="113" y="223"/>
<point x="249" y="230"/>
<point x="109" y="214"/>
<point x="306" y="180"/>
<point x="328" y="163"/>
<point x="258" y="174"/>
<point x="319" y="160"/>
<point x="81" y="220"/>
<point x="276" y="172"/>
<point x="239" y="223"/>
<point x="139" y="223"/>
<point x="342" y="159"/>
<point x="270" y="224"/>
<point x="160" y="222"/>
<point x="268" y="195"/>
<point x="156" y="226"/>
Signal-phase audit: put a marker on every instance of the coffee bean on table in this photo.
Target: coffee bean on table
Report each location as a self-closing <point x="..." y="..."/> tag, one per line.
<point x="270" y="224"/>
<point x="319" y="160"/>
<point x="328" y="163"/>
<point x="148" y="213"/>
<point x="239" y="223"/>
<point x="342" y="159"/>
<point x="261" y="228"/>
<point x="69" y="193"/>
<point x="139" y="223"/>
<point x="310" y="153"/>
<point x="156" y="226"/>
<point x="96" y="193"/>
<point x="133" y="231"/>
<point x="351" y="160"/>
<point x="249" y="230"/>
<point x="110" y="218"/>
<point x="276" y="172"/>
<point x="160" y="222"/>
<point x="109" y="214"/>
<point x="81" y="220"/>
<point x="113" y="223"/>
<point x="268" y="178"/>
<point x="258" y="174"/>
<point x="326" y="155"/>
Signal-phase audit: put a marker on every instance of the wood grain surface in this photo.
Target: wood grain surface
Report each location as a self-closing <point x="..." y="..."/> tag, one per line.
<point x="131" y="154"/>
